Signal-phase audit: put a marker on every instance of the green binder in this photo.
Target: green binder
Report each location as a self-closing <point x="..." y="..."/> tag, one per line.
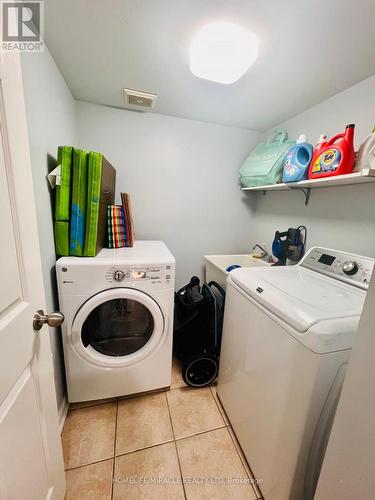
<point x="100" y="194"/>
<point x="62" y="238"/>
<point x="93" y="197"/>
<point x="79" y="199"/>
<point x="64" y="159"/>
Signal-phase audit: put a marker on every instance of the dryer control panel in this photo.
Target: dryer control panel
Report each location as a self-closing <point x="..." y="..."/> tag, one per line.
<point x="353" y="269"/>
<point x="150" y="274"/>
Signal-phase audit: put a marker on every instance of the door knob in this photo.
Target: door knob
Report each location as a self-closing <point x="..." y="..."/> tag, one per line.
<point x="54" y="319"/>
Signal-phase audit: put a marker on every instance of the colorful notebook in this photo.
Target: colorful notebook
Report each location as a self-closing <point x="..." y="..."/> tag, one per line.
<point x="79" y="202"/>
<point x="116" y="226"/>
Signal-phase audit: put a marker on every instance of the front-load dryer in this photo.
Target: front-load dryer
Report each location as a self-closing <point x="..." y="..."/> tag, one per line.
<point x="118" y="328"/>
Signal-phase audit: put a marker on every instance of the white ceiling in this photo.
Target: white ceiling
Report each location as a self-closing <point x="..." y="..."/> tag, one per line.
<point x="309" y="51"/>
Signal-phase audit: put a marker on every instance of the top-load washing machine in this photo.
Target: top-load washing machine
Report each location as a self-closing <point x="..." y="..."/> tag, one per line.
<point x="118" y="328"/>
<point x="287" y="338"/>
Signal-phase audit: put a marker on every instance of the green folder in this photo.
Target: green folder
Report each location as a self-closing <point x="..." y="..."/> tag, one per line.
<point x="64" y="158"/>
<point x="79" y="199"/>
<point x="94" y="176"/>
<point x="100" y="194"/>
<point x="62" y="238"/>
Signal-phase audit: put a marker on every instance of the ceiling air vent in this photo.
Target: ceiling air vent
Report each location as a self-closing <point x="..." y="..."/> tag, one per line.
<point x="135" y="99"/>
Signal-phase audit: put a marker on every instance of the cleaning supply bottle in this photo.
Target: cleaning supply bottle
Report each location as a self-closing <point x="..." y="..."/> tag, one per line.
<point x="318" y="148"/>
<point x="297" y="160"/>
<point x="320" y="145"/>
<point x="335" y="158"/>
<point x="366" y="153"/>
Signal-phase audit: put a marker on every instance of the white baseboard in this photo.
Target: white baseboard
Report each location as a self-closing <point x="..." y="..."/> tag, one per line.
<point x="63" y="411"/>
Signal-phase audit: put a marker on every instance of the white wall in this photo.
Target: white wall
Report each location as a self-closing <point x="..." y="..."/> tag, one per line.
<point x="50" y="110"/>
<point x="183" y="178"/>
<point x="341" y="217"/>
<point x="348" y="467"/>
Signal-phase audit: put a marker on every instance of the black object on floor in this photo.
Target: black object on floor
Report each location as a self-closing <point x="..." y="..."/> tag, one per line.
<point x="198" y="324"/>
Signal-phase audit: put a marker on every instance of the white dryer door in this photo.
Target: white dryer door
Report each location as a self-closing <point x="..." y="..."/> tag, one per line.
<point x="117" y="327"/>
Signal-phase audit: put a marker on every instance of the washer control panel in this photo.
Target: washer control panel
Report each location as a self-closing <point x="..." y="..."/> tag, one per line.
<point x="150" y="274"/>
<point x="353" y="269"/>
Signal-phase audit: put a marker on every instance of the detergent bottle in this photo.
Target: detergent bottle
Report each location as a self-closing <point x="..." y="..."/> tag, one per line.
<point x="320" y="145"/>
<point x="334" y="158"/>
<point x="366" y="153"/>
<point x="297" y="160"/>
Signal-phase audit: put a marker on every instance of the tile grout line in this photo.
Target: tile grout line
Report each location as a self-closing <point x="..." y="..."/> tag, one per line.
<point x="175" y="446"/>
<point x="221" y="410"/>
<point x="144" y="448"/>
<point x="97" y="403"/>
<point x="250" y="476"/>
<point x="114" y="450"/>
<point x="162" y="443"/>
<point x="143" y="394"/>
<point x="242" y="458"/>
<point x="202" y="432"/>
<point x="89" y="463"/>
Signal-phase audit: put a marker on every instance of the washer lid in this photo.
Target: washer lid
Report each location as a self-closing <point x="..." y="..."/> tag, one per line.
<point x="299" y="296"/>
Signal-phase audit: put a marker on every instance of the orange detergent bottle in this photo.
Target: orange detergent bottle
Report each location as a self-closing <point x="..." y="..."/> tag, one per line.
<point x="334" y="158"/>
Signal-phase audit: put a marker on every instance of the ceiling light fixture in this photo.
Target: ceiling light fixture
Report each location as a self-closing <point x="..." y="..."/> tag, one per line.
<point x="222" y="52"/>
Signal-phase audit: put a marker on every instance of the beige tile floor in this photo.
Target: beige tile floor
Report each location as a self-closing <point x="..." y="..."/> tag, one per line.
<point x="174" y="444"/>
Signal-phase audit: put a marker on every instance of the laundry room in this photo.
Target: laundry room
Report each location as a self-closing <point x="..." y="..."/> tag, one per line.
<point x="187" y="198"/>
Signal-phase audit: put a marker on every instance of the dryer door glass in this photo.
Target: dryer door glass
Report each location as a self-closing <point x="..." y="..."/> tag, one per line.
<point x="118" y="327"/>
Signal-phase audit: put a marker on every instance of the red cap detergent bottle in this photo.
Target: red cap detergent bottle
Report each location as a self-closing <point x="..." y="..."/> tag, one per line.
<point x="334" y="159"/>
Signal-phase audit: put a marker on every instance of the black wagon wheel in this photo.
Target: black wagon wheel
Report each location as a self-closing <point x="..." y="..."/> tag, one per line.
<point x="200" y="370"/>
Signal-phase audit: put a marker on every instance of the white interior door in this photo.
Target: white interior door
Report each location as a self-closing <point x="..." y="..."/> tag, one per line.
<point x="31" y="463"/>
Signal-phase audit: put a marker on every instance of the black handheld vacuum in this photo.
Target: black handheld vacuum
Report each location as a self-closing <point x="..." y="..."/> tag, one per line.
<point x="289" y="245"/>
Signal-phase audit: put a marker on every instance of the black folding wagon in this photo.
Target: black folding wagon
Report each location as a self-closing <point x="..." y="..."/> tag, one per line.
<point x="198" y="324"/>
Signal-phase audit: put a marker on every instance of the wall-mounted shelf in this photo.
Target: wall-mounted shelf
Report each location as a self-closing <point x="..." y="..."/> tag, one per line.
<point x="365" y="176"/>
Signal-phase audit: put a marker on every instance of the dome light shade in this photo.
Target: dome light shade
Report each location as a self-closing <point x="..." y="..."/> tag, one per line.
<point x="222" y="52"/>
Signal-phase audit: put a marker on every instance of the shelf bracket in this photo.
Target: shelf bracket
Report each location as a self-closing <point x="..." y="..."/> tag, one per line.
<point x="305" y="191"/>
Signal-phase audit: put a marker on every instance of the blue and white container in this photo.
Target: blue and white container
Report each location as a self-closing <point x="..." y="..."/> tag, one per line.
<point x="297" y="160"/>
